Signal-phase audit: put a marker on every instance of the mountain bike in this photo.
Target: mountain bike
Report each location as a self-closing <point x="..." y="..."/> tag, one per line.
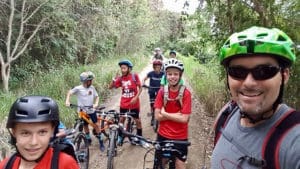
<point x="163" y="150"/>
<point x="154" y="123"/>
<point x="114" y="133"/>
<point x="84" y="117"/>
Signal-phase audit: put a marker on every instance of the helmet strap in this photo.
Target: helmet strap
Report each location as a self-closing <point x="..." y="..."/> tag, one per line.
<point x="259" y="118"/>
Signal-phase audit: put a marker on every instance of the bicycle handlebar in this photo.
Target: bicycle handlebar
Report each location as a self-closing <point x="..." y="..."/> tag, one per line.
<point x="166" y="143"/>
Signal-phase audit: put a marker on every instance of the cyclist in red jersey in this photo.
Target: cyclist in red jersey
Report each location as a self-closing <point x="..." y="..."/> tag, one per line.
<point x="173" y="116"/>
<point x="32" y="123"/>
<point x="131" y="90"/>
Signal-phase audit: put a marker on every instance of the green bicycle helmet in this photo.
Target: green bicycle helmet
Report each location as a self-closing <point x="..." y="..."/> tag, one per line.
<point x="259" y="40"/>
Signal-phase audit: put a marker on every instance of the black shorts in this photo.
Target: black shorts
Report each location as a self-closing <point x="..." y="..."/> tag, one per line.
<point x="135" y="112"/>
<point x="182" y="148"/>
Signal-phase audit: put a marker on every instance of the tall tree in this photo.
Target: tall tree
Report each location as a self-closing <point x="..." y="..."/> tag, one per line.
<point x="14" y="46"/>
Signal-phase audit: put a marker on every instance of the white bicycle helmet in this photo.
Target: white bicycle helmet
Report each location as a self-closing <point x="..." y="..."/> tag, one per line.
<point x="174" y="63"/>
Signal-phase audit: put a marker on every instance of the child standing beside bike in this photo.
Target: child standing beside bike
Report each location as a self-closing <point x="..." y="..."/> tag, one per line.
<point x="87" y="96"/>
<point x="131" y="90"/>
<point x="154" y="84"/>
<point x="173" y="111"/>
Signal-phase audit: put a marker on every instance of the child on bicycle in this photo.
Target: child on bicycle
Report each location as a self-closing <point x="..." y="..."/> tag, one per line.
<point x="172" y="111"/>
<point x="131" y="90"/>
<point x="87" y="96"/>
<point x="32" y="124"/>
<point x="154" y="84"/>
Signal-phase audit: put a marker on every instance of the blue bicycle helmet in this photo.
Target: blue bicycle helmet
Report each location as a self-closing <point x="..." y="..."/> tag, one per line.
<point x="126" y="62"/>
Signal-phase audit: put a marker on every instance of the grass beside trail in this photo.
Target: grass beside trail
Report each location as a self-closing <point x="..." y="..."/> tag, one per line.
<point x="56" y="83"/>
<point x="206" y="83"/>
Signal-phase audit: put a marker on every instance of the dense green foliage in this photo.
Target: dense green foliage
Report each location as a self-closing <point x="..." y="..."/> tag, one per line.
<point x="79" y="35"/>
<point x="216" y="20"/>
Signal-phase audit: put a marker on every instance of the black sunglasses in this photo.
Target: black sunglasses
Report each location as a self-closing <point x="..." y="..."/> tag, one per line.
<point x="261" y="72"/>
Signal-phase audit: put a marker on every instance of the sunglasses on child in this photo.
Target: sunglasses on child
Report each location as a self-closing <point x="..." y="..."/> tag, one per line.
<point x="261" y="72"/>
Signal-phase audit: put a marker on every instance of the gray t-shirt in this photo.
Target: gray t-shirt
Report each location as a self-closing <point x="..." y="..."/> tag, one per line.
<point x="227" y="156"/>
<point x="85" y="96"/>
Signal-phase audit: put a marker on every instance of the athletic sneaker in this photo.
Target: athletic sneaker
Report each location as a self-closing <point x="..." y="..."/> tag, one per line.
<point x="120" y="141"/>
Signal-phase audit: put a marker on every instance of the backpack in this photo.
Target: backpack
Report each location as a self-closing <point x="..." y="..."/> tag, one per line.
<point x="179" y="96"/>
<point x="272" y="141"/>
<point x="134" y="77"/>
<point x="57" y="148"/>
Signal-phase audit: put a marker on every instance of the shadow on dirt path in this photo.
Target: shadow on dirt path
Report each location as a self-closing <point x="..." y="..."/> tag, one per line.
<point x="132" y="157"/>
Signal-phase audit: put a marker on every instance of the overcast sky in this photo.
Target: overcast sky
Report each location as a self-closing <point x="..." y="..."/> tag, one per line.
<point x="177" y="5"/>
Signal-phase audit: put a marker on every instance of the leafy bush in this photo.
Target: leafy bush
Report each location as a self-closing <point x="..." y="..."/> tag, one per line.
<point x="206" y="83"/>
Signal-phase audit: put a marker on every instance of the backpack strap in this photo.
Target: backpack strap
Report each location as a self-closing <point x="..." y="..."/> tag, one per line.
<point x="179" y="96"/>
<point x="223" y="117"/>
<point x="166" y="94"/>
<point x="272" y="142"/>
<point x="10" y="161"/>
<point x="55" y="156"/>
<point x="134" y="78"/>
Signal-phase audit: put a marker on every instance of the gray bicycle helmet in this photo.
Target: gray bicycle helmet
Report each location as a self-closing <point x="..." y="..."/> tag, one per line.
<point x="85" y="76"/>
<point x="30" y="109"/>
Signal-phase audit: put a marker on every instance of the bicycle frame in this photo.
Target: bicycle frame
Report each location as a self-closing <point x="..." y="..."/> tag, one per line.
<point x="154" y="122"/>
<point x="163" y="150"/>
<point x="85" y="117"/>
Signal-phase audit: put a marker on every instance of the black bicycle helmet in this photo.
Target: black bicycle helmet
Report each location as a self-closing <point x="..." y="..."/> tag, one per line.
<point x="30" y="109"/>
<point x="172" y="52"/>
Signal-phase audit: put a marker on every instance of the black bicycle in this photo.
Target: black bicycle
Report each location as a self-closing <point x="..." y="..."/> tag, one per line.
<point x="81" y="143"/>
<point x="114" y="132"/>
<point x="74" y="143"/>
<point x="163" y="150"/>
<point x="154" y="123"/>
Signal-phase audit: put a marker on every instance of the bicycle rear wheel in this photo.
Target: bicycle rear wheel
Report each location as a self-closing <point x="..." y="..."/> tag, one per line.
<point x="112" y="149"/>
<point x="82" y="150"/>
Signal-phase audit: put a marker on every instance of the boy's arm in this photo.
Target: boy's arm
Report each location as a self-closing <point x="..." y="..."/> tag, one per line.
<point x="68" y="98"/>
<point x="143" y="81"/>
<point x="135" y="98"/>
<point x="96" y="102"/>
<point x="158" y="114"/>
<point x="177" y="117"/>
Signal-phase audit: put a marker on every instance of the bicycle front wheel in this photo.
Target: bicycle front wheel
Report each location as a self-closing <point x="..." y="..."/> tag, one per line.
<point x="82" y="150"/>
<point x="112" y="149"/>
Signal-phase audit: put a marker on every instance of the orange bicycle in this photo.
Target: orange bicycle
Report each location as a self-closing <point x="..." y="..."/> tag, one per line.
<point x="102" y="122"/>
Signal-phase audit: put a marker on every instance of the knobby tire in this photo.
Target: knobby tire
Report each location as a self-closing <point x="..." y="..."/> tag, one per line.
<point x="82" y="150"/>
<point x="112" y="149"/>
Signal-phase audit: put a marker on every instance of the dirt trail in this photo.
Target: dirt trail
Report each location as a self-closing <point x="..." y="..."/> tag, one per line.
<point x="132" y="157"/>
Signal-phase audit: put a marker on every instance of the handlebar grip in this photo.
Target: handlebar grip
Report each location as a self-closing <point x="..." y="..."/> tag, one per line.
<point x="187" y="143"/>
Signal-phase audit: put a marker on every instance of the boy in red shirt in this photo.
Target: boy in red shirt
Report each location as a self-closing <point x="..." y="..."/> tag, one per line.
<point x="32" y="122"/>
<point x="131" y="90"/>
<point x="173" y="116"/>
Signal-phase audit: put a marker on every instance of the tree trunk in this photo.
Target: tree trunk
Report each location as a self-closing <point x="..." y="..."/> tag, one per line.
<point x="230" y="18"/>
<point x="5" y="72"/>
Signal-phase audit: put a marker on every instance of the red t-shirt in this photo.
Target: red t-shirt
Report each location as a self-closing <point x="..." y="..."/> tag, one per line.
<point x="129" y="90"/>
<point x="171" y="129"/>
<point x="65" y="161"/>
